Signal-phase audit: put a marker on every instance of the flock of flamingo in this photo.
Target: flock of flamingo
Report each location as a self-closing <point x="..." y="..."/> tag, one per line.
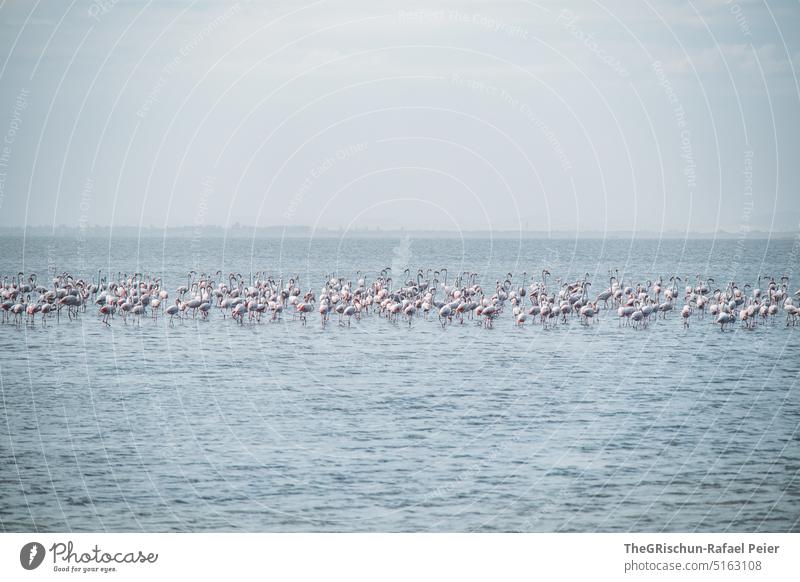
<point x="426" y="295"/>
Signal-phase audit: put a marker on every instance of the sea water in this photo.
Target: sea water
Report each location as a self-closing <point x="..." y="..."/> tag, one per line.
<point x="215" y="426"/>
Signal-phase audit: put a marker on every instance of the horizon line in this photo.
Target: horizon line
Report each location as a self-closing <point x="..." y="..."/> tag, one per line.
<point x="305" y="230"/>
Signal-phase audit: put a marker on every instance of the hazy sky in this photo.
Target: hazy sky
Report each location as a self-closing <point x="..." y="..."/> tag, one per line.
<point x="585" y="115"/>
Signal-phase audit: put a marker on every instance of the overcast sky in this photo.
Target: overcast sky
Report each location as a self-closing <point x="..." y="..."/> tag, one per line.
<point x="450" y="115"/>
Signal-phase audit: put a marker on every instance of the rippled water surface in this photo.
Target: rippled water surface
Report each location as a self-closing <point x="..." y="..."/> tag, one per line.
<point x="209" y="425"/>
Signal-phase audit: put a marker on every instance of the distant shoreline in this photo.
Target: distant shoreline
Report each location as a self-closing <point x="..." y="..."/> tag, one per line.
<point x="245" y="232"/>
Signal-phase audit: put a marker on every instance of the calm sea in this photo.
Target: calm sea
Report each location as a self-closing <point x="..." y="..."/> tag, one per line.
<point x="212" y="426"/>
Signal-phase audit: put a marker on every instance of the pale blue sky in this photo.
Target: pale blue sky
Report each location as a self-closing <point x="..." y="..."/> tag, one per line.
<point x="455" y="115"/>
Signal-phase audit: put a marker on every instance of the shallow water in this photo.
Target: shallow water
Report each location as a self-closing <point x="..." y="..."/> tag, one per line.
<point x="378" y="427"/>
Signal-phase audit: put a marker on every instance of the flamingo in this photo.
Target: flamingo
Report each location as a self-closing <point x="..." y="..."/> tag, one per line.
<point x="173" y="310"/>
